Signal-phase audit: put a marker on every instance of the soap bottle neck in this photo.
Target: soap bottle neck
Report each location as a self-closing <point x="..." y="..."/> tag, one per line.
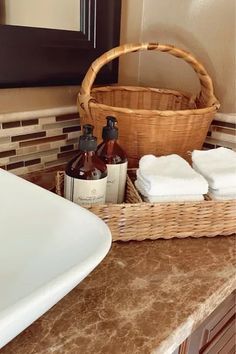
<point x="110" y="144"/>
<point x="88" y="154"/>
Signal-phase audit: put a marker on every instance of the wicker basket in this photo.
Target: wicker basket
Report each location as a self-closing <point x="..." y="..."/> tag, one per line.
<point x="150" y="120"/>
<point x="137" y="220"/>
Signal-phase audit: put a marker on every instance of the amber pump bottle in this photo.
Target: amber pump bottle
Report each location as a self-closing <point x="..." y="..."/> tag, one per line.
<point x="86" y="174"/>
<point x="110" y="152"/>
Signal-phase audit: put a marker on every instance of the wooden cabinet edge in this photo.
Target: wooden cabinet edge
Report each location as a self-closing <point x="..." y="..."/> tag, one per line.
<point x="203" y="331"/>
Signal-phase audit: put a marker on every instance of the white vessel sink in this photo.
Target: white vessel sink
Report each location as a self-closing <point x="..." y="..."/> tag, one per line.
<point x="47" y="246"/>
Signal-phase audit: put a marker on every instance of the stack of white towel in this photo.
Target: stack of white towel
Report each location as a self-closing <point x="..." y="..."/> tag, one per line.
<point x="218" y="166"/>
<point x="169" y="178"/>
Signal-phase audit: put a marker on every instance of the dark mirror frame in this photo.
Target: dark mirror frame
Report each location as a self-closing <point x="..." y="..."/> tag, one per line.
<point x="46" y="57"/>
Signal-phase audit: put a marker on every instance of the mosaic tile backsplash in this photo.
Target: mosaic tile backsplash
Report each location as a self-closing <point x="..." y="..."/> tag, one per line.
<point x="222" y="132"/>
<point x="36" y="142"/>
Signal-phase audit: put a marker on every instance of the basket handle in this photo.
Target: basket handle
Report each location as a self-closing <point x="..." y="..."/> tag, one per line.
<point x="206" y="94"/>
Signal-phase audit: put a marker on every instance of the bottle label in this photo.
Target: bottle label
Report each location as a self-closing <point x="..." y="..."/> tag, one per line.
<point x="116" y="181"/>
<point x="85" y="192"/>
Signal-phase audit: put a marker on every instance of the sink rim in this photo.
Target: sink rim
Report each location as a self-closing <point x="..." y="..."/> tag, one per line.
<point x="24" y="311"/>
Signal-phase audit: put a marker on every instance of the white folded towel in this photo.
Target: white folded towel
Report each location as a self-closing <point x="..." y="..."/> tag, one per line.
<point x="169" y="175"/>
<point x="166" y="198"/>
<point x="222" y="197"/>
<point x="228" y="191"/>
<point x="218" y="166"/>
<point x="174" y="198"/>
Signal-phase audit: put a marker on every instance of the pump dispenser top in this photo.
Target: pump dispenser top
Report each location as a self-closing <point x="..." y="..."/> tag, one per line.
<point x="87" y="142"/>
<point x="110" y="131"/>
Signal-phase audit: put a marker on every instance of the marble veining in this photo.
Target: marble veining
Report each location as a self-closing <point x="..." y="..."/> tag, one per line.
<point x="145" y="297"/>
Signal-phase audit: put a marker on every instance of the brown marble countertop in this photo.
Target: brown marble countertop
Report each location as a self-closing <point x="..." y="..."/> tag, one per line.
<point x="145" y="297"/>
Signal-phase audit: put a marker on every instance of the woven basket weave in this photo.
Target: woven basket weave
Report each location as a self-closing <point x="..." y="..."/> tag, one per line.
<point x="157" y="121"/>
<point x="137" y="220"/>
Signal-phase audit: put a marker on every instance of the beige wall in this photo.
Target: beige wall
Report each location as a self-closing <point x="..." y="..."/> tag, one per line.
<point x="58" y="14"/>
<point x="131" y="19"/>
<point x="37" y="98"/>
<point x="206" y="28"/>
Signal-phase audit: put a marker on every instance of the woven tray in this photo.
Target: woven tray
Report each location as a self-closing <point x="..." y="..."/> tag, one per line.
<point x="137" y="220"/>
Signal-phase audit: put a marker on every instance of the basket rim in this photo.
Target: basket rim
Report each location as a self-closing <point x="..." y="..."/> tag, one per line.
<point x="184" y="112"/>
<point x="142" y="112"/>
<point x="115" y="87"/>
